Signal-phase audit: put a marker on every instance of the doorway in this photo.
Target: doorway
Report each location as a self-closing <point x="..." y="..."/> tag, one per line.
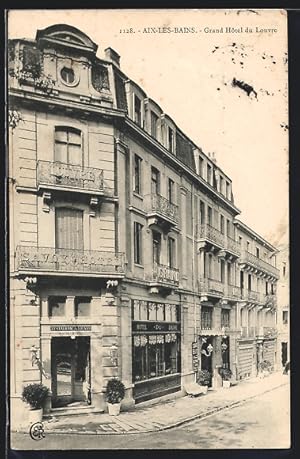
<point x="70" y="371"/>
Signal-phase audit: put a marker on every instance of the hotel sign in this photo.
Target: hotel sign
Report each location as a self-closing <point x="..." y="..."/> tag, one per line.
<point x="71" y="328"/>
<point x="155" y="327"/>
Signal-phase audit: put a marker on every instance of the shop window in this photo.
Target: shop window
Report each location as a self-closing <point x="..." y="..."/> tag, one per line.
<point x="171" y="313"/>
<point x="285" y="317"/>
<point x="170" y="140"/>
<point x="152" y="311"/>
<point x="82" y="307"/>
<point x="68" y="146"/>
<point x="154" y="124"/>
<point x="225" y="318"/>
<point x="138" y="243"/>
<point x="137" y="110"/>
<point x="206" y="318"/>
<point x="57" y="306"/>
<point x="171" y="186"/>
<point x="137" y="186"/>
<point x="155" y="181"/>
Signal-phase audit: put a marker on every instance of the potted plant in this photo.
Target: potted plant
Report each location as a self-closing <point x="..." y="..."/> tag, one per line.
<point x="226" y="375"/>
<point x="115" y="392"/>
<point x="204" y="378"/>
<point x="35" y="395"/>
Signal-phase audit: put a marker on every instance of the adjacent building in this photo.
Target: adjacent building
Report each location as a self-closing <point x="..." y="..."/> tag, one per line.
<point x="127" y="256"/>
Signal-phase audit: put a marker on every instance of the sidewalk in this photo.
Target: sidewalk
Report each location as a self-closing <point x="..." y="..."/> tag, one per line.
<point x="168" y="414"/>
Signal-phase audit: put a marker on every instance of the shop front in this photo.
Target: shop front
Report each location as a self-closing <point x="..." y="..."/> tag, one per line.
<point x="156" y="342"/>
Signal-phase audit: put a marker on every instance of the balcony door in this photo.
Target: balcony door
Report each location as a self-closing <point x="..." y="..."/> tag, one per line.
<point x="69" y="229"/>
<point x="68" y="146"/>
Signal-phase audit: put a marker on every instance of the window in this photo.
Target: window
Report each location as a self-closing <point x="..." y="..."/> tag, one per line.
<point x="272" y="289"/>
<point x="242" y="279"/>
<point x="229" y="272"/>
<point x="284" y="270"/>
<point x="156" y="242"/>
<point x="56" y="306"/>
<point x="138" y="243"/>
<point x="225" y="318"/>
<point x="249" y="281"/>
<point x="285" y="317"/>
<point x="240" y="241"/>
<point x="82" y="307"/>
<point x="228" y="228"/>
<point x="209" y="215"/>
<point x="248" y="246"/>
<point x="222" y="271"/>
<point x="201" y="166"/>
<point x="68" y="146"/>
<point x="257" y="252"/>
<point x="171" y="253"/>
<point x="202" y="213"/>
<point x="137" y="174"/>
<point x="228" y="191"/>
<point x="221" y="184"/>
<point x="210" y="266"/>
<point x="154" y="122"/>
<point x="206" y="318"/>
<point x="171" y="187"/>
<point x="267" y="288"/>
<point x="137" y="110"/>
<point x="222" y="224"/>
<point x="155" y="181"/>
<point x="209" y="173"/>
<point x="68" y="75"/>
<point x="68" y="228"/>
<point x="170" y="140"/>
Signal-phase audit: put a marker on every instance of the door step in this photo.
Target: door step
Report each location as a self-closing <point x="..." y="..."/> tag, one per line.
<point x="74" y="411"/>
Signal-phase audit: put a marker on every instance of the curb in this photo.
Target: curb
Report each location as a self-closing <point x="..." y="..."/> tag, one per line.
<point x="168" y="426"/>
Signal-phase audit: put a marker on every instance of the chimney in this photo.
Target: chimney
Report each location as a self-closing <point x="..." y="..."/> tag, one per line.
<point x="113" y="56"/>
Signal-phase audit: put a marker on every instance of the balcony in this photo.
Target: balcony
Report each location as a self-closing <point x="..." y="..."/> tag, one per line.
<point x="248" y="259"/>
<point x="208" y="234"/>
<point x="164" y="276"/>
<point x="212" y="287"/>
<point x="69" y="262"/>
<point x="270" y="301"/>
<point x="161" y="211"/>
<point x="69" y="177"/>
<point x="233" y="292"/>
<point x="232" y="247"/>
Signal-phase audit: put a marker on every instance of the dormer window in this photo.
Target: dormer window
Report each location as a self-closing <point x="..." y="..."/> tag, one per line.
<point x="68" y="75"/>
<point x="137" y="110"/>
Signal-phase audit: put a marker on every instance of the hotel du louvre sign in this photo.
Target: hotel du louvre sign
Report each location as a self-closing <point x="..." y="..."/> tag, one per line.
<point x="154" y="327"/>
<point x="166" y="274"/>
<point x="71" y="328"/>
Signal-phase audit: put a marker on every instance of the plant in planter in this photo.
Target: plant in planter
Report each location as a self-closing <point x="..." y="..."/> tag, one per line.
<point x="35" y="395"/>
<point x="226" y="375"/>
<point x="115" y="392"/>
<point x="204" y="378"/>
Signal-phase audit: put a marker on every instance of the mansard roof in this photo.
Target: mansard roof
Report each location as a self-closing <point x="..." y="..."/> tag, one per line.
<point x="66" y="35"/>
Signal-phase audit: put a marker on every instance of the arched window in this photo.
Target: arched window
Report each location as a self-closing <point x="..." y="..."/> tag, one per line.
<point x="68" y="145"/>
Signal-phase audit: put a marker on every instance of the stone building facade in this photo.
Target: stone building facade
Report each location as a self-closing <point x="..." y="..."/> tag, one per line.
<point x="127" y="257"/>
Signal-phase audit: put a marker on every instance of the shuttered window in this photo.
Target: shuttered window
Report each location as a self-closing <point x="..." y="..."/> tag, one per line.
<point x="69" y="228"/>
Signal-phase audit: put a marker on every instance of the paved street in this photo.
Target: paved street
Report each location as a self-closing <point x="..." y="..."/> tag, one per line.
<point x="261" y="422"/>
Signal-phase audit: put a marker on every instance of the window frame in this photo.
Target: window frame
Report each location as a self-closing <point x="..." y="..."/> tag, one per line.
<point x="138" y="243"/>
<point x="137" y="174"/>
<point x="68" y="130"/>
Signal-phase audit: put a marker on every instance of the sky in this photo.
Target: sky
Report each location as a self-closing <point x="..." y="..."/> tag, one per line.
<point x="190" y="76"/>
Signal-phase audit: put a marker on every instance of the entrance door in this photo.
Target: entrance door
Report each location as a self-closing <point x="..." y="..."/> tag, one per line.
<point x="70" y="370"/>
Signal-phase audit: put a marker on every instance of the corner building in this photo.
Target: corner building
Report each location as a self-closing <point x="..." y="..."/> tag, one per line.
<point x="126" y="255"/>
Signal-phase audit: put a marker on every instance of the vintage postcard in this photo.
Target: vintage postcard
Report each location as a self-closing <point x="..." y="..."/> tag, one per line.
<point x="148" y="208"/>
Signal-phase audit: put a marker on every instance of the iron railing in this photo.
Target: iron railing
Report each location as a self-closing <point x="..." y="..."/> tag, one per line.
<point x="49" y="259"/>
<point x="163" y="207"/>
<point x="72" y="176"/>
<point x="209" y="233"/>
<point x="258" y="263"/>
<point x="164" y="274"/>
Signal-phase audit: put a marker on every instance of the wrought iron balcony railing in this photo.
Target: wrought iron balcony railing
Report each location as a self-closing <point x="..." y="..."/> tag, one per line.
<point x="210" y="234"/>
<point x="250" y="259"/>
<point x="163" y="207"/>
<point x="51" y="260"/>
<point x="211" y="286"/>
<point x="61" y="175"/>
<point x="165" y="275"/>
<point x="232" y="245"/>
<point x="270" y="300"/>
